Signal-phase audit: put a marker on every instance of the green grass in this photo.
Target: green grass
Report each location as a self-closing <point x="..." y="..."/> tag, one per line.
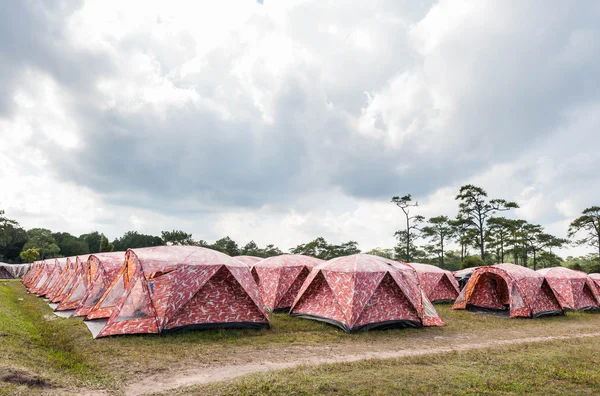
<point x="61" y="353"/>
<point x="557" y="368"/>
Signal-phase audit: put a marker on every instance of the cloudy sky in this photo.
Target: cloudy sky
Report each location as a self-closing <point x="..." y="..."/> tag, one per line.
<point x="281" y="121"/>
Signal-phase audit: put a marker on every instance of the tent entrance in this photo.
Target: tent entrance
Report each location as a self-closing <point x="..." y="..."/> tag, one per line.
<point x="490" y="293"/>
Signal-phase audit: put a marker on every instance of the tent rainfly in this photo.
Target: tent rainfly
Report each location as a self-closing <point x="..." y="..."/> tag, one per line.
<point x="60" y="281"/>
<point x="13" y="271"/>
<point x="70" y="278"/>
<point x="512" y="288"/>
<point x="363" y="292"/>
<point x="280" y="277"/>
<point x="438" y="284"/>
<point x="102" y="268"/>
<point x="574" y="289"/>
<point x="462" y="276"/>
<point x="57" y="268"/>
<point x="170" y="288"/>
<point x="249" y="260"/>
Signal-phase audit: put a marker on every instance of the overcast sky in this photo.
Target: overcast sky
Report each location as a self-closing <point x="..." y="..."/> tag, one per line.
<point x="281" y="121"/>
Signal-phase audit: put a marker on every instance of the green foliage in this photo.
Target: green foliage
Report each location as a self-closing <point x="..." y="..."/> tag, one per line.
<point x="439" y="231"/>
<point x="319" y="248"/>
<point x="387" y="253"/>
<point x="70" y="245"/>
<point x="589" y="263"/>
<point x="405" y="250"/>
<point x="252" y="249"/>
<point x="475" y="208"/>
<point x="226" y="245"/>
<point x="29" y="255"/>
<point x="93" y="240"/>
<point x="588" y="227"/>
<point x="177" y="237"/>
<point x="133" y="239"/>
<point x="12" y="238"/>
<point x="42" y="240"/>
<point x="471" y="262"/>
<point x="105" y="245"/>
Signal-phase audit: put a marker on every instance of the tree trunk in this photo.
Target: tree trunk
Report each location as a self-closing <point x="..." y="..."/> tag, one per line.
<point x="534" y="261"/>
<point x="407" y="239"/>
<point x="442" y="246"/>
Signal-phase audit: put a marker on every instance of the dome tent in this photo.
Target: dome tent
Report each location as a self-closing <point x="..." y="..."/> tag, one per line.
<point x="249" y="260"/>
<point x="363" y="292"/>
<point x="512" y="288"/>
<point x="280" y="277"/>
<point x="438" y="284"/>
<point x="71" y="278"/>
<point x="169" y="288"/>
<point x="574" y="289"/>
<point x="102" y="268"/>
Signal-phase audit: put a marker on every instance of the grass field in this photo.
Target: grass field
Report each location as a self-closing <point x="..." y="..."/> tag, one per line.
<point x="554" y="368"/>
<point x="48" y="353"/>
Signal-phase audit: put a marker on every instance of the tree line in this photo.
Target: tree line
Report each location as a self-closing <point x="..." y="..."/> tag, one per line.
<point x="479" y="231"/>
<point x="479" y="226"/>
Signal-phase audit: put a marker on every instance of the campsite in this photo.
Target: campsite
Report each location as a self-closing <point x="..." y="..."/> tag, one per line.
<point x="299" y="197"/>
<point x="379" y="328"/>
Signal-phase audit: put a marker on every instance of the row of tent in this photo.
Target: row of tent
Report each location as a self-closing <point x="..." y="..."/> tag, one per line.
<point x="170" y="288"/>
<point x="13" y="271"/>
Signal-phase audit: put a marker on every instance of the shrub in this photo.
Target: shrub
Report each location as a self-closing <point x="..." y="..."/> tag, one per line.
<point x="471" y="261"/>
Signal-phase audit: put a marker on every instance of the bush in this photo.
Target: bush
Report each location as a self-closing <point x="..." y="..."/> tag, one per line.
<point x="471" y="261"/>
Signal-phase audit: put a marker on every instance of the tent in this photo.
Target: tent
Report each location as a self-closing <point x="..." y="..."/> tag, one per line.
<point x="462" y="276"/>
<point x="438" y="284"/>
<point x="102" y="268"/>
<point x="169" y="288"/>
<point x="13" y="271"/>
<point x="39" y="270"/>
<point x="520" y="291"/>
<point x="4" y="274"/>
<point x="56" y="267"/>
<point x="363" y="292"/>
<point x="71" y="280"/>
<point x="248" y="260"/>
<point x="574" y="289"/>
<point x="595" y="278"/>
<point x="62" y="277"/>
<point x="280" y="277"/>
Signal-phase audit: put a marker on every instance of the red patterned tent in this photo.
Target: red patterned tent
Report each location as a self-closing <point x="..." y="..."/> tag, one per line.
<point x="509" y="287"/>
<point x="168" y="288"/>
<point x="57" y="268"/>
<point x="462" y="276"/>
<point x="362" y="292"/>
<point x="280" y="277"/>
<point x="102" y="268"/>
<point x="438" y="284"/>
<point x="33" y="270"/>
<point x="62" y="277"/>
<point x="42" y="270"/>
<point x="595" y="278"/>
<point x="70" y="278"/>
<point x="248" y="260"/>
<point x="574" y="289"/>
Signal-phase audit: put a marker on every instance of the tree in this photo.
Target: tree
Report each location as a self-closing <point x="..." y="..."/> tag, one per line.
<point x="29" y="255"/>
<point x="93" y="240"/>
<point x="226" y="245"/>
<point x="387" y="253"/>
<point x="463" y="235"/>
<point x="42" y="240"/>
<point x="177" y="237"/>
<point x="471" y="262"/>
<point x="105" y="245"/>
<point x="133" y="239"/>
<point x="12" y="238"/>
<point x="516" y="238"/>
<point x="70" y="245"/>
<point x="412" y="224"/>
<point x="271" y="250"/>
<point x="499" y="230"/>
<point x="475" y="207"/>
<point x="319" y="248"/>
<point x="587" y="224"/>
<point x="252" y="249"/>
<point x="439" y="231"/>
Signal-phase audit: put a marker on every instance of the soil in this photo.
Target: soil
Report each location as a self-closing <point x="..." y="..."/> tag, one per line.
<point x="210" y="374"/>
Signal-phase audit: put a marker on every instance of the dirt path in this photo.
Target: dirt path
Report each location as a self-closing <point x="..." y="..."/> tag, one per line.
<point x="210" y="374"/>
